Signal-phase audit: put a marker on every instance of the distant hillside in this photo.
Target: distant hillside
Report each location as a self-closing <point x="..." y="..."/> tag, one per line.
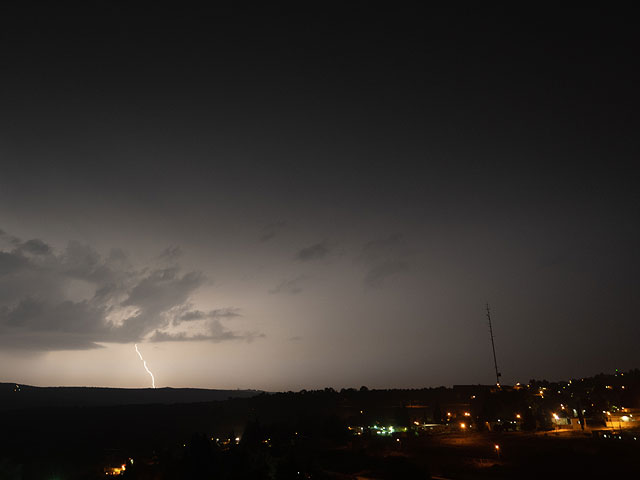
<point x="13" y="396"/>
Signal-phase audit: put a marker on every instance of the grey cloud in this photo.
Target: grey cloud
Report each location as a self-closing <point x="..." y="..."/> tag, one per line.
<point x="377" y="274"/>
<point x="66" y="316"/>
<point x="35" y="247"/>
<point x="271" y="230"/>
<point x="162" y="289"/>
<point x="382" y="248"/>
<point x="159" y="336"/>
<point x="216" y="333"/>
<point x="9" y="239"/>
<point x="292" y="286"/>
<point x="53" y="341"/>
<point x="200" y="315"/>
<point x="127" y="304"/>
<point x="313" y="252"/>
<point x="171" y="254"/>
<point x="83" y="262"/>
<point x="154" y="295"/>
<point x="10" y="262"/>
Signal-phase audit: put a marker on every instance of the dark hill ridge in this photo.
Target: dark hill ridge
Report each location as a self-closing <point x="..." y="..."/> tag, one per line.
<point x="14" y="396"/>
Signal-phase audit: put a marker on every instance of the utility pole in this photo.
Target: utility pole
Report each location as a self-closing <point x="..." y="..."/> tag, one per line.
<point x="493" y="347"/>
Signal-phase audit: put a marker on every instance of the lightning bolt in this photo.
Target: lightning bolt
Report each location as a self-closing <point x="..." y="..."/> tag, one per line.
<point x="153" y="380"/>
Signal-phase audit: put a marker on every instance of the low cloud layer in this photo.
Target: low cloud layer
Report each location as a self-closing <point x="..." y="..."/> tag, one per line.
<point x="78" y="298"/>
<point x="291" y="286"/>
<point x="316" y="251"/>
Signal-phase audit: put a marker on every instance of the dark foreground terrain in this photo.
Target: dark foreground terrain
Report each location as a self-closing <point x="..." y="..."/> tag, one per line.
<point x="353" y="434"/>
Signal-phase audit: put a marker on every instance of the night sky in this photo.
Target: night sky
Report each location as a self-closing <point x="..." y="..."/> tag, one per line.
<point x="300" y="197"/>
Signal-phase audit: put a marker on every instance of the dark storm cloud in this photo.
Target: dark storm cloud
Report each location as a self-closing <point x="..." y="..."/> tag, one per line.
<point x="77" y="298"/>
<point x="383" y="258"/>
<point x="292" y="286"/>
<point x="316" y="251"/>
<point x="35" y="247"/>
<point x="43" y="325"/>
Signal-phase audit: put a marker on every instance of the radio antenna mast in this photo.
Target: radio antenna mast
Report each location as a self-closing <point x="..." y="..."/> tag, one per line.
<point x="493" y="347"/>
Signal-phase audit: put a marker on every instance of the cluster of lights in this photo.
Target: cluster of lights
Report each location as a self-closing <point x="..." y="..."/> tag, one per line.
<point x="387" y="431"/>
<point x="226" y="442"/>
<point x="619" y="437"/>
<point x="383" y="430"/>
<point x="115" y="471"/>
